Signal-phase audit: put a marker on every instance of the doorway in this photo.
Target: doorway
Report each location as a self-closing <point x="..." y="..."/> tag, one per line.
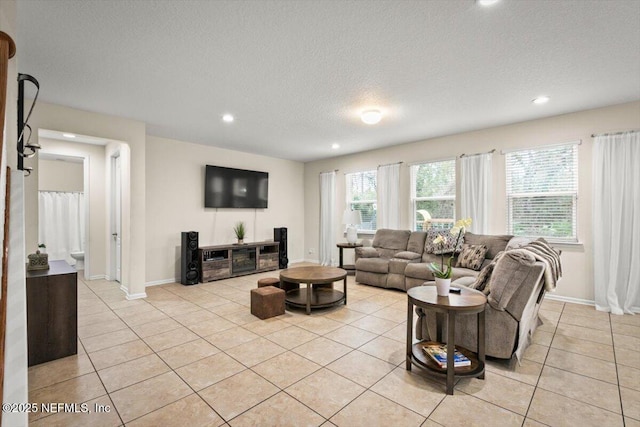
<point x="116" y="217"/>
<point x="63" y="208"/>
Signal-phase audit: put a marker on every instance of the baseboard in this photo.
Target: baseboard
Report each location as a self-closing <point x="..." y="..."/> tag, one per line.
<point x="132" y="296"/>
<point x="569" y="299"/>
<point x="137" y="296"/>
<point x="99" y="277"/>
<point x="161" y="282"/>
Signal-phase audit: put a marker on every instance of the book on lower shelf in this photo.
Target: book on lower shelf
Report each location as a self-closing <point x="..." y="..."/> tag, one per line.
<point x="438" y="352"/>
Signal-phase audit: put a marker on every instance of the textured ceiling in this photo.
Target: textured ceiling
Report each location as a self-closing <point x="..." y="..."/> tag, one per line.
<point x="296" y="74"/>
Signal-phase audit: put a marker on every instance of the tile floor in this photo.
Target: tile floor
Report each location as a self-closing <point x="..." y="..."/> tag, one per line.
<point x="195" y="356"/>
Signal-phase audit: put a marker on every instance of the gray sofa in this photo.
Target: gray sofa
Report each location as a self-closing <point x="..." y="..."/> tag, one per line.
<point x="399" y="259"/>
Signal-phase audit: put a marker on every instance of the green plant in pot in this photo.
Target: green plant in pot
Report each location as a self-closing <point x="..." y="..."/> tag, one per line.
<point x="240" y="231"/>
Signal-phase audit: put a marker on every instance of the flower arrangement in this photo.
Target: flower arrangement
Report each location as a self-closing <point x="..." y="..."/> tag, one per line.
<point x="458" y="229"/>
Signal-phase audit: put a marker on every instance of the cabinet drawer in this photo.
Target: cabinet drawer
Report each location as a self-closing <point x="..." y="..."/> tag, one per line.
<point x="220" y="273"/>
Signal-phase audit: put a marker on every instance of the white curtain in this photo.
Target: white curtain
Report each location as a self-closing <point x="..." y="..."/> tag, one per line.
<point x="327" y="218"/>
<point x="389" y="196"/>
<point x="616" y="222"/>
<point x="61" y="217"/>
<point x="475" y="190"/>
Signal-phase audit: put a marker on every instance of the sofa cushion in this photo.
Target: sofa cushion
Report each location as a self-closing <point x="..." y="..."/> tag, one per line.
<point x="494" y="244"/>
<point x="471" y="256"/>
<point x="465" y="281"/>
<point x="391" y="239"/>
<point x="449" y="245"/>
<point x="397" y="266"/>
<point x="416" y="241"/>
<point x="373" y="265"/>
<point x="418" y="271"/>
<point x="457" y="272"/>
<point x="407" y="255"/>
<point x="430" y="258"/>
<point x="482" y="280"/>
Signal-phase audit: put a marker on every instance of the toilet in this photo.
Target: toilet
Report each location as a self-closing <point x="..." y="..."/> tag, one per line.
<point x="79" y="257"/>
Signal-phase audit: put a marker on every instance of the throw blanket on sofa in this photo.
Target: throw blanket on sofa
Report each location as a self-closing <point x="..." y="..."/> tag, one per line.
<point x="544" y="253"/>
<point x="539" y="250"/>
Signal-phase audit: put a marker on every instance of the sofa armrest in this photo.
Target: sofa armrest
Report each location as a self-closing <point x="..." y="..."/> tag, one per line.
<point x="408" y="255"/>
<point x="367" y="252"/>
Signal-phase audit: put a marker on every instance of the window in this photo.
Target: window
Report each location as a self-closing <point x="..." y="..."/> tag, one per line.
<point x="433" y="194"/>
<point x="362" y="196"/>
<point x="542" y="192"/>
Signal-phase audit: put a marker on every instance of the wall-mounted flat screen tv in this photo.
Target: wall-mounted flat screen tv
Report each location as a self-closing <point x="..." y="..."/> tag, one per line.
<point x="235" y="188"/>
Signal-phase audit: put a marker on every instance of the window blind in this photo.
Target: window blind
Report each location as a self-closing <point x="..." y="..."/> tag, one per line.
<point x="362" y="196"/>
<point x="542" y="192"/>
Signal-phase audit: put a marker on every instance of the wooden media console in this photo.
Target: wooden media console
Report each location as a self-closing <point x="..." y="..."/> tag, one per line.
<point x="224" y="261"/>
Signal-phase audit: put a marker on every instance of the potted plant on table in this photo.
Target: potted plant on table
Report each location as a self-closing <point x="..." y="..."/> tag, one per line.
<point x="442" y="274"/>
<point x="240" y="231"/>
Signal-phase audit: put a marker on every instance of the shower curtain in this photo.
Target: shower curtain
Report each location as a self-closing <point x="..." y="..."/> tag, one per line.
<point x="61" y="218"/>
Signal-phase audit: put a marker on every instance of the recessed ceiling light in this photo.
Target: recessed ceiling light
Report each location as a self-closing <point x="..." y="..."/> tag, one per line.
<point x="227" y="118"/>
<point x="335" y="145"/>
<point x="68" y="135"/>
<point x="371" y="117"/>
<point x="487" y="2"/>
<point x="541" y="100"/>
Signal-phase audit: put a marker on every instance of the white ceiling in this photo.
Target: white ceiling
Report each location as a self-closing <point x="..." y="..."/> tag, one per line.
<point x="296" y="74"/>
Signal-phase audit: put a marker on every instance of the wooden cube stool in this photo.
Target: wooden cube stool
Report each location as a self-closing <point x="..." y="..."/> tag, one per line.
<point x="269" y="281"/>
<point x="274" y="281"/>
<point x="267" y="301"/>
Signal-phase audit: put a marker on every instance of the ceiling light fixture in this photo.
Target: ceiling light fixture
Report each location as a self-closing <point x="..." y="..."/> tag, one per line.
<point x="228" y="118"/>
<point x="541" y="100"/>
<point x="371" y="117"/>
<point x="335" y="145"/>
<point x="487" y="2"/>
<point x="68" y="135"/>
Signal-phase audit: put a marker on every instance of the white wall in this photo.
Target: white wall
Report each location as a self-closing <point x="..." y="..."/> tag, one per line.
<point x="95" y="155"/>
<point x="175" y="202"/>
<point x="15" y="367"/>
<point x="56" y="175"/>
<point x="577" y="260"/>
<point x="131" y="132"/>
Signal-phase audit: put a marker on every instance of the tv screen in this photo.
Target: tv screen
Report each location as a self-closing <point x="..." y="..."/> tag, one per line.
<point x="235" y="188"/>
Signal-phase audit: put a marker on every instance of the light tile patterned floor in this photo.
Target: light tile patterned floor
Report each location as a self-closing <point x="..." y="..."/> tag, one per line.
<point x="196" y="356"/>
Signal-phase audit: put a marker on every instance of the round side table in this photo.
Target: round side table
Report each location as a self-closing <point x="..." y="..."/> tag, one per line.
<point x="350" y="269"/>
<point x="468" y="301"/>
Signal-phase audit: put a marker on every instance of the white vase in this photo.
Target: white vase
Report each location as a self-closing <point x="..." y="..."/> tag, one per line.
<point x="442" y="286"/>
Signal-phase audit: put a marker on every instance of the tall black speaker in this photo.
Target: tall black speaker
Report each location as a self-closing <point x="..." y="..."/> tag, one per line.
<point x="190" y="264"/>
<point x="280" y="235"/>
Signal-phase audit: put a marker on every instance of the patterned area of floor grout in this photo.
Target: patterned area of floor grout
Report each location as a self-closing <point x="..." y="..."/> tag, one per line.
<point x="196" y="356"/>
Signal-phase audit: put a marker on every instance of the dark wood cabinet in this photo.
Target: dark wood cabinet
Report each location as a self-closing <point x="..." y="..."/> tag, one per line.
<point x="52" y="314"/>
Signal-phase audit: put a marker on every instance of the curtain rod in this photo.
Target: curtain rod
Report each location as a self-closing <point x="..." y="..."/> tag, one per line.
<point x="613" y="133"/>
<point x="477" y="154"/>
<point x="542" y="147"/>
<point x="55" y="191"/>
<point x="390" y="164"/>
<point x="335" y="170"/>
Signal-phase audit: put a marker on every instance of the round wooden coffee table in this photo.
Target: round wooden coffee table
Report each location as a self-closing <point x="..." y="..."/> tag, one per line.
<point x="468" y="301"/>
<point x="312" y="296"/>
